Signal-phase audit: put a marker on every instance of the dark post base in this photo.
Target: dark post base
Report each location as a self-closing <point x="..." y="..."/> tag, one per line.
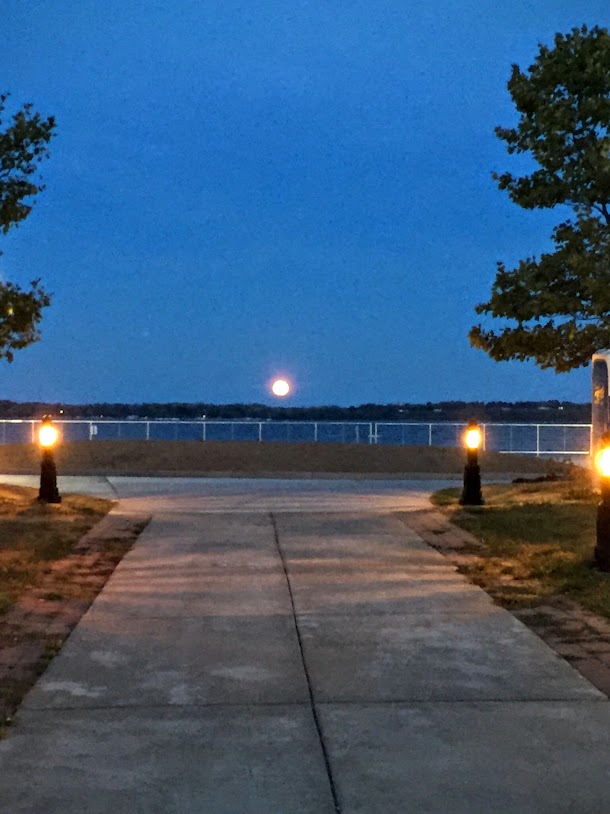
<point x="48" y="479"/>
<point x="602" y="549"/>
<point x="471" y="493"/>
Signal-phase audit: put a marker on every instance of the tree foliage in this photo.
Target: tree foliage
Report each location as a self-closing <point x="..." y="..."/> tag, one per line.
<point x="556" y="308"/>
<point x="23" y="145"/>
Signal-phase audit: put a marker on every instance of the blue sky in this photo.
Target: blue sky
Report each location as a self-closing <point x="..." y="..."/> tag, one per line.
<point x="243" y="189"/>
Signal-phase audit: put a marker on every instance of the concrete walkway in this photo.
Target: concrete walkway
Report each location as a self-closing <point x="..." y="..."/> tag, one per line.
<point x="288" y="647"/>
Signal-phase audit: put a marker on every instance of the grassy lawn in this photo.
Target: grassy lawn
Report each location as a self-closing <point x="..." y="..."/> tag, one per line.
<point x="33" y="535"/>
<point x="538" y="542"/>
<point x="48" y="578"/>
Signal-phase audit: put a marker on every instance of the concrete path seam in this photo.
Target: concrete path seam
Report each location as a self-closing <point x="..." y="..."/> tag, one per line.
<point x="112" y="487"/>
<point x="314" y="712"/>
<point x="190" y="705"/>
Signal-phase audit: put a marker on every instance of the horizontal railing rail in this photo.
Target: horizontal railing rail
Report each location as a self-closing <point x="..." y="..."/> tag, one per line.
<point x="551" y="440"/>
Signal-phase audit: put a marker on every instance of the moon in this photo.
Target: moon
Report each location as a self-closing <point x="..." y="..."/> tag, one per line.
<point x="280" y="387"/>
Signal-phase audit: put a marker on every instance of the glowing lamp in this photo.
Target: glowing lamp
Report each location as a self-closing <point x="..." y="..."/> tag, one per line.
<point x="47" y="438"/>
<point x="602" y="547"/>
<point x="47" y="435"/>
<point x="473" y="438"/>
<point x="603" y="462"/>
<point x="471" y="493"/>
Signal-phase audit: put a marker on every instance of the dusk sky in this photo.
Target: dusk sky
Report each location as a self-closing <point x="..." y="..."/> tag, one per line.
<point x="244" y="189"/>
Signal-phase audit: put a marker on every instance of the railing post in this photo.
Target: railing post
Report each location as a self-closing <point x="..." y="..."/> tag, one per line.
<point x="354" y="433"/>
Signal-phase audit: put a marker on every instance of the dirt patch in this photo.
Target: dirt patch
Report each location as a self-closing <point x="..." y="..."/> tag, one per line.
<point x="580" y="637"/>
<point x="43" y="617"/>
<point x="251" y="457"/>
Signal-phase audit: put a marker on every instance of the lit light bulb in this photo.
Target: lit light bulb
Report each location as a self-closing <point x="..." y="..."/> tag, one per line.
<point x="473" y="438"/>
<point x="47" y="435"/>
<point x="603" y="462"/>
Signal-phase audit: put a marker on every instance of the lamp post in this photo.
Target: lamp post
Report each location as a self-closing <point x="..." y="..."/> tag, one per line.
<point x="47" y="438"/>
<point x="471" y="493"/>
<point x="602" y="548"/>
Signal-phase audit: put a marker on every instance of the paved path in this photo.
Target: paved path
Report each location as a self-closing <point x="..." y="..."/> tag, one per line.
<point x="291" y="647"/>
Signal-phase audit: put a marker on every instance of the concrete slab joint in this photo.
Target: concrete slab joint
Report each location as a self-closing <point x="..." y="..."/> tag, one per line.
<point x="298" y="648"/>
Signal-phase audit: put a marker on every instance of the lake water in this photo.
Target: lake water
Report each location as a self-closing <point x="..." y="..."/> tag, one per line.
<point x="566" y="439"/>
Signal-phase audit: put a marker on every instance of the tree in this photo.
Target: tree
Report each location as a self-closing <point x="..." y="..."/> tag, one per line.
<point x="23" y="145"/>
<point x="557" y="307"/>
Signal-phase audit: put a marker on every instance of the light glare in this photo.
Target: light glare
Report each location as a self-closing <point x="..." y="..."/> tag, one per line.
<point x="47" y="435"/>
<point x="473" y="438"/>
<point x="603" y="462"/>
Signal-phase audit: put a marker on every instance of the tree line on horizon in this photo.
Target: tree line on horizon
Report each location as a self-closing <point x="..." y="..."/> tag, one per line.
<point x="494" y="411"/>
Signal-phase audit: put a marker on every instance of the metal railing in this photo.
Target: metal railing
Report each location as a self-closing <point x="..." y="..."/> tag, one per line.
<point x="567" y="440"/>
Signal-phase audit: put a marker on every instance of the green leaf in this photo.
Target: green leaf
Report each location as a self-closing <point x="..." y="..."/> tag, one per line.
<point x="555" y="309"/>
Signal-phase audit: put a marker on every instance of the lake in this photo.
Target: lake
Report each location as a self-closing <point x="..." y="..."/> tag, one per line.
<point x="540" y="439"/>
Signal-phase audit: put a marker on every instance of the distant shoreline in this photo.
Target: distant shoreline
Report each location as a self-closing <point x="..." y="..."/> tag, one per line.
<point x="551" y="411"/>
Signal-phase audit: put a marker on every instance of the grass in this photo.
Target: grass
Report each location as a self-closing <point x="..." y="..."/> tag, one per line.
<point x="125" y="457"/>
<point x="538" y="542"/>
<point x="33" y="535"/>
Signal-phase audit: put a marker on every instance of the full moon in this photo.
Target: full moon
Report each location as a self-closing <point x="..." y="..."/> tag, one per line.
<point x="280" y="387"/>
